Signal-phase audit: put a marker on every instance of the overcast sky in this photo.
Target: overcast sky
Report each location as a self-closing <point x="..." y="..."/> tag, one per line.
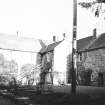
<point x="43" y="18"/>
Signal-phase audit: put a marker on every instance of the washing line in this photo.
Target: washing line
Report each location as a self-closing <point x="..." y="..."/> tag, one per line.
<point x="18" y="50"/>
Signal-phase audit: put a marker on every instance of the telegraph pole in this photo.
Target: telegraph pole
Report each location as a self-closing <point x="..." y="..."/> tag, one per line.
<point x="74" y="47"/>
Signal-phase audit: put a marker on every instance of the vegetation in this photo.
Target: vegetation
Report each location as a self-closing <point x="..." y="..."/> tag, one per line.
<point x="8" y="68"/>
<point x="94" y="4"/>
<point x="28" y="72"/>
<point x="5" y="101"/>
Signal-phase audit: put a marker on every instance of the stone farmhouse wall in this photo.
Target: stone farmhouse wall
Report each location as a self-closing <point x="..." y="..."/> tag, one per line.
<point x="94" y="60"/>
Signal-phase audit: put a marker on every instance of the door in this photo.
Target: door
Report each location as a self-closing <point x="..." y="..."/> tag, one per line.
<point x="100" y="79"/>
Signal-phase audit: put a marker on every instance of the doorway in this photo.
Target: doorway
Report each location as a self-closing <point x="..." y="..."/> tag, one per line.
<point x="100" y="79"/>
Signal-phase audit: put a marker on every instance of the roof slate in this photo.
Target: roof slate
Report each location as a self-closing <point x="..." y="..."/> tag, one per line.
<point x="84" y="43"/>
<point x="50" y="47"/>
<point x="98" y="43"/>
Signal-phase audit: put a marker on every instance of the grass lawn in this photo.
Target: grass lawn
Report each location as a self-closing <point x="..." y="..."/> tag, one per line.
<point x="61" y="95"/>
<point x="86" y="95"/>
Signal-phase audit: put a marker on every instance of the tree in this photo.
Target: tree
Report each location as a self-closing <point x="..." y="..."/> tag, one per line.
<point x="28" y="71"/>
<point x="1" y="59"/>
<point x="10" y="68"/>
<point x="95" y="4"/>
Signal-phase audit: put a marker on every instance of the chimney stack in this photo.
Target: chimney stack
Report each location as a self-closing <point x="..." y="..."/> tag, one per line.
<point x="54" y="38"/>
<point x="95" y="33"/>
<point x="64" y="36"/>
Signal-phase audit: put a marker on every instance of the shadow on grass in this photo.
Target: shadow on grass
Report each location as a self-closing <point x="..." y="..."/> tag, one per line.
<point x="62" y="98"/>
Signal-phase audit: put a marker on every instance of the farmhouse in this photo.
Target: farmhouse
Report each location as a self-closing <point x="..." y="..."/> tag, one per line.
<point x="56" y="56"/>
<point x="91" y="56"/>
<point x="47" y="55"/>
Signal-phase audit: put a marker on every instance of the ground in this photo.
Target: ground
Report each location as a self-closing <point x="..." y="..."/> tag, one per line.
<point x="5" y="101"/>
<point x="61" y="95"/>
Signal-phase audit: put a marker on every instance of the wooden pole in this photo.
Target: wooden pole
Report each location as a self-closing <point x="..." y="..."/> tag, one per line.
<point x="74" y="47"/>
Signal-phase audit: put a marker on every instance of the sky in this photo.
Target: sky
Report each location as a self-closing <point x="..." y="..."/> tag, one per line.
<point x="42" y="19"/>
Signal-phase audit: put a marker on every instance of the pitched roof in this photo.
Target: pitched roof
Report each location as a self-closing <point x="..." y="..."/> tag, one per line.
<point x="10" y="42"/>
<point x="50" y="47"/>
<point x="98" y="43"/>
<point x="84" y="43"/>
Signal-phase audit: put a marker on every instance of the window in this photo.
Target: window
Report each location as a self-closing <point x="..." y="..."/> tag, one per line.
<point x="80" y="57"/>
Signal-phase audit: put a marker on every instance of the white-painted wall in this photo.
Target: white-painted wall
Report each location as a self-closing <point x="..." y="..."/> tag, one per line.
<point x="60" y="61"/>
